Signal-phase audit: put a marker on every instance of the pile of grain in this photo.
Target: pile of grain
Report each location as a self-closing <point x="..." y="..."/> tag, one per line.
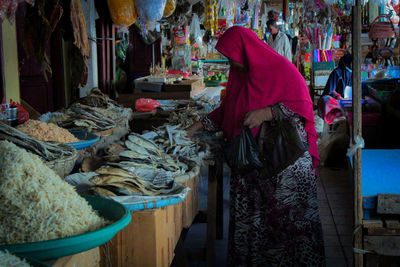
<point x="9" y="260"/>
<point x="47" y="132"/>
<point x="35" y="203"/>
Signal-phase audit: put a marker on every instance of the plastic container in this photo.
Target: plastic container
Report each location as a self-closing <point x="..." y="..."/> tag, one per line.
<point x="87" y="139"/>
<point x="57" y="248"/>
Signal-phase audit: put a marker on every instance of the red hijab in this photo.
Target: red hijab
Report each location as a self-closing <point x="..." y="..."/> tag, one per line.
<point x="270" y="79"/>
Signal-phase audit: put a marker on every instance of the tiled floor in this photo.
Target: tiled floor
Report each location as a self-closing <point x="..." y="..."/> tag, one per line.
<point x="336" y="210"/>
<point x="335" y="196"/>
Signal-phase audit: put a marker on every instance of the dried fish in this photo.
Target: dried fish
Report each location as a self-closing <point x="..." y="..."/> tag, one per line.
<point x="46" y="150"/>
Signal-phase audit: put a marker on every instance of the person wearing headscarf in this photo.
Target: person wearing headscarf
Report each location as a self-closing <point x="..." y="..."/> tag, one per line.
<point x="339" y="78"/>
<point x="273" y="221"/>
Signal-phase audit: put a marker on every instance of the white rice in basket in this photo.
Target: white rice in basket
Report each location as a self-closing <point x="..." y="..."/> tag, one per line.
<point x="9" y="260"/>
<point x="35" y="203"/>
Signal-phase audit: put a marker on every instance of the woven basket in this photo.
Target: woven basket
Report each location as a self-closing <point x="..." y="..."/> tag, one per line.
<point x="63" y="166"/>
<point x="382" y="29"/>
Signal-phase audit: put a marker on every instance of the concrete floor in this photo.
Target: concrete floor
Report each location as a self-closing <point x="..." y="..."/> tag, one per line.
<point x="335" y="196"/>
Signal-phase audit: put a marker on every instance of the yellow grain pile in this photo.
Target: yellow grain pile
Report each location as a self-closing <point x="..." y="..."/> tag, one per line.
<point x="47" y="132"/>
<point x="9" y="260"/>
<point x="35" y="203"/>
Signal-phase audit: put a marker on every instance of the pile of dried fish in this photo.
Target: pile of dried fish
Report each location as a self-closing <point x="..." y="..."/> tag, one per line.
<point x="140" y="167"/>
<point x="174" y="141"/>
<point x="184" y="117"/>
<point x="82" y="116"/>
<point x="46" y="150"/>
<point x="111" y="182"/>
<point x="97" y="98"/>
<point x="142" y="153"/>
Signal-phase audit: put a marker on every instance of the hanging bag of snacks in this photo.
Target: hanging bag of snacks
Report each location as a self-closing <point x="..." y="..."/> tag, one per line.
<point x="123" y="12"/>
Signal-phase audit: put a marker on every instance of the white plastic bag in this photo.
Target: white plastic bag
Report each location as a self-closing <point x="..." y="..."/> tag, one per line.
<point x="150" y="10"/>
<point x="195" y="32"/>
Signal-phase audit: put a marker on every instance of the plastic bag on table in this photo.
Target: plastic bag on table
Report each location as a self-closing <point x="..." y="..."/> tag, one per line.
<point x="123" y="12"/>
<point x="195" y="32"/>
<point x="146" y="104"/>
<point x="150" y="10"/>
<point x="242" y="154"/>
<point x="169" y="8"/>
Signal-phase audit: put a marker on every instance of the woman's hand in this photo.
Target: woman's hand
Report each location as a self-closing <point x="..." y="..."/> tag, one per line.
<point x="193" y="129"/>
<point x="256" y="117"/>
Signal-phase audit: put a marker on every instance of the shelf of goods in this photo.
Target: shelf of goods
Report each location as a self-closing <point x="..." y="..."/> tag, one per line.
<point x="151" y="237"/>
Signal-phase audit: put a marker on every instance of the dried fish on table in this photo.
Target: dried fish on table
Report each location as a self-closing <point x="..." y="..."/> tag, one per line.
<point x="97" y="98"/>
<point x="46" y="150"/>
<point x="82" y="116"/>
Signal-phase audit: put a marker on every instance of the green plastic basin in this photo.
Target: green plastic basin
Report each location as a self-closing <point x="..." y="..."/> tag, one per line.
<point x="57" y="248"/>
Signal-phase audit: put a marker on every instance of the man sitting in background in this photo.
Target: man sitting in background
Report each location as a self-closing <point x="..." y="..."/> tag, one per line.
<point x="279" y="40"/>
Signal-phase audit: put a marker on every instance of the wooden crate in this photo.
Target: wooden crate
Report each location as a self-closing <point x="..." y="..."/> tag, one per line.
<point x="184" y="86"/>
<point x="190" y="205"/>
<point x="90" y="258"/>
<point x="149" y="240"/>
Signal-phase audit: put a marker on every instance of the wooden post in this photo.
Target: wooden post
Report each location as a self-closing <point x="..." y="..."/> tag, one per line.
<point x="356" y="46"/>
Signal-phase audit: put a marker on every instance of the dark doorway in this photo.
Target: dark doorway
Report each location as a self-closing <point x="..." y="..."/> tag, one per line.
<point x="43" y="95"/>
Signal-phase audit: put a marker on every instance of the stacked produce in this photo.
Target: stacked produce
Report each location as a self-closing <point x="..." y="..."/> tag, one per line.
<point x="46" y="150"/>
<point x="9" y="260"/>
<point x="36" y="204"/>
<point x="218" y="77"/>
<point x="47" y="132"/>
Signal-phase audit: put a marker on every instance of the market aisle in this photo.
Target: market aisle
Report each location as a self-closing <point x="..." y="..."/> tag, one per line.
<point x="336" y="210"/>
<point x="335" y="194"/>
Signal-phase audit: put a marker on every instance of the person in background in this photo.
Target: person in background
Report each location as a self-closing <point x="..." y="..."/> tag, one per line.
<point x="279" y="40"/>
<point x="274" y="221"/>
<point x="339" y="78"/>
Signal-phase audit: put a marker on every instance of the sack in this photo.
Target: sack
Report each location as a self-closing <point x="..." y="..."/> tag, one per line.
<point x="242" y="154"/>
<point x="150" y="10"/>
<point x="381" y="29"/>
<point x="123" y="12"/>
<point x="146" y="105"/>
<point x="280" y="144"/>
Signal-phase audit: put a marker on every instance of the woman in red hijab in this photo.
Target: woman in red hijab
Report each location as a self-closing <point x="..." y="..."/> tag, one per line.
<point x="273" y="221"/>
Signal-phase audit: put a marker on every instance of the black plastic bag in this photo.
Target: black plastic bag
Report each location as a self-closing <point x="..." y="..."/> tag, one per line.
<point x="242" y="154"/>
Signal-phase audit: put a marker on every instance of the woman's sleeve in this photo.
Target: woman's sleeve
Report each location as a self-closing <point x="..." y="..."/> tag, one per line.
<point x="212" y="122"/>
<point x="284" y="110"/>
<point x="331" y="83"/>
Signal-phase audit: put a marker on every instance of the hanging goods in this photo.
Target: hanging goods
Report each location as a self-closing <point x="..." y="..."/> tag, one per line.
<point x="382" y="29"/>
<point x="123" y="12"/>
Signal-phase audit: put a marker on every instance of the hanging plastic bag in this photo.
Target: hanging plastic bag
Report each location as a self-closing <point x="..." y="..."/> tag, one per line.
<point x="195" y="32"/>
<point x="169" y="8"/>
<point x="150" y="10"/>
<point x="242" y="154"/>
<point x="123" y="12"/>
<point x="146" y="105"/>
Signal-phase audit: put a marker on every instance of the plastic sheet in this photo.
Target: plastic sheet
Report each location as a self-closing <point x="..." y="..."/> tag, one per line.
<point x="123" y="12"/>
<point x="150" y="10"/>
<point x="359" y="143"/>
